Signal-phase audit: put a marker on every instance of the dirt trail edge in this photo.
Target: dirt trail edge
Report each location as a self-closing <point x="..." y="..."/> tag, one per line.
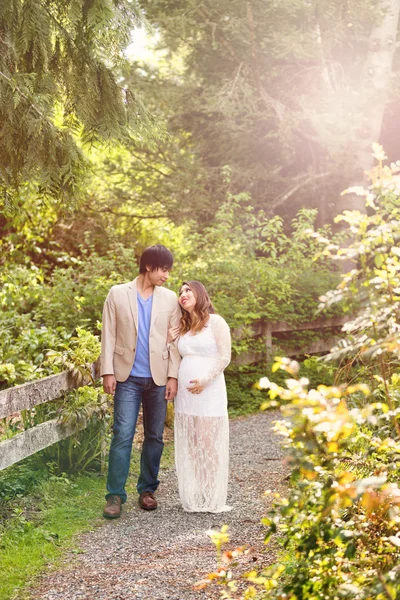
<point x="159" y="555"/>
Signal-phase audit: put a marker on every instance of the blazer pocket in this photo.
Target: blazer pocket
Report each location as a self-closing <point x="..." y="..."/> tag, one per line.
<point x="119" y="350"/>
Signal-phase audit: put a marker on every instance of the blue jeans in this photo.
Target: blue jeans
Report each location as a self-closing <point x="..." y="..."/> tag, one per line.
<point x="128" y="396"/>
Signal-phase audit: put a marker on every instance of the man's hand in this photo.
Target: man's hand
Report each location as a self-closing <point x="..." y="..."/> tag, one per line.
<point x="171" y="388"/>
<point x="109" y="384"/>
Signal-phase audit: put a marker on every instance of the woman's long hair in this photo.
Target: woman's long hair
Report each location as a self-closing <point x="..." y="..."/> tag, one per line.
<point x="196" y="320"/>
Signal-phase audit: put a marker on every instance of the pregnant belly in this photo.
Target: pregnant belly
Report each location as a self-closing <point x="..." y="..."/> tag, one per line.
<point x="212" y="401"/>
<point x="194" y="367"/>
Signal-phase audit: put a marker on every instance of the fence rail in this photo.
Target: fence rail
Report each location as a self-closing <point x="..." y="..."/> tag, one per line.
<point x="33" y="393"/>
<point x="33" y="440"/>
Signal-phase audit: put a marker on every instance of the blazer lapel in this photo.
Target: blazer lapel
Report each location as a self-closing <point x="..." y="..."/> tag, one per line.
<point x="132" y="295"/>
<point x="156" y="305"/>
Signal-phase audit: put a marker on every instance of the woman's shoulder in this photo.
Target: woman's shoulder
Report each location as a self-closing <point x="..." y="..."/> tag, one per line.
<point x="218" y="320"/>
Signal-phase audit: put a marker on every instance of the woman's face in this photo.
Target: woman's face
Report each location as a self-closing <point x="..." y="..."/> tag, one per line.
<point x="187" y="299"/>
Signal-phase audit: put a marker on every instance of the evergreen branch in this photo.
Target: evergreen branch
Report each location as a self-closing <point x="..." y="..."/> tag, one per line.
<point x="59" y="25"/>
<point x="15" y="87"/>
<point x="127" y="215"/>
<point x="7" y="43"/>
<point x="161" y="151"/>
<point x="236" y="79"/>
<point x="149" y="166"/>
<point x="187" y="41"/>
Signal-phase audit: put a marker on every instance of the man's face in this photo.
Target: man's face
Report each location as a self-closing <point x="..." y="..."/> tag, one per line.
<point x="158" y="276"/>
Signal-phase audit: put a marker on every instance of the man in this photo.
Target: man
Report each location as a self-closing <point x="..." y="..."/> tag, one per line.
<point x="139" y="367"/>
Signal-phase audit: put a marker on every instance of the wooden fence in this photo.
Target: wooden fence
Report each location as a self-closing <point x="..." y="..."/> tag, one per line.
<point x="28" y="395"/>
<point x="268" y="331"/>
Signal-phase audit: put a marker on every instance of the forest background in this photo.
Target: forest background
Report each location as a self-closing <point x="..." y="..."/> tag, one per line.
<point x="230" y="143"/>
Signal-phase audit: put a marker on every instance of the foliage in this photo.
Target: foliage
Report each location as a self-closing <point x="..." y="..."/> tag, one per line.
<point x="276" y="92"/>
<point x="79" y="356"/>
<point x="244" y="397"/>
<point x="344" y="529"/>
<point x="85" y="407"/>
<point x="53" y="292"/>
<point x="245" y="257"/>
<point x="23" y="349"/>
<point x="41" y="525"/>
<point x="20" y="479"/>
<point x="374" y="281"/>
<point x="59" y="86"/>
<point x="40" y="316"/>
<point x="341" y="519"/>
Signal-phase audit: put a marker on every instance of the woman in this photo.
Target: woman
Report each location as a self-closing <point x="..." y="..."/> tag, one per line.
<point x="201" y="426"/>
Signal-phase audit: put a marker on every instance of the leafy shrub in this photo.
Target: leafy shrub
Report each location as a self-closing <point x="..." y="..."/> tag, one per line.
<point x="374" y="280"/>
<point x="74" y="296"/>
<point x="341" y="520"/>
<point x="245" y="397"/>
<point x="344" y="530"/>
<point x="86" y="406"/>
<point x="254" y="270"/>
<point x="21" y="478"/>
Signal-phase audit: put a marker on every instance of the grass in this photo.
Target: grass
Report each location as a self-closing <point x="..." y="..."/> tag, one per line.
<point x="45" y="523"/>
<point x="38" y="535"/>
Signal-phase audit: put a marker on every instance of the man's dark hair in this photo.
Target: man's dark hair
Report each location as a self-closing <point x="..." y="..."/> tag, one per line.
<point x="156" y="257"/>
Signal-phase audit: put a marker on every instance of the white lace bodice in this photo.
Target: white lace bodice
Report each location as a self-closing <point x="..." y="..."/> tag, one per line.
<point x="213" y="343"/>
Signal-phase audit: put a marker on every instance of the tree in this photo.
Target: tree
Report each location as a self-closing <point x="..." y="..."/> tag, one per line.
<point x="59" y="89"/>
<point x="375" y="90"/>
<point x="280" y="91"/>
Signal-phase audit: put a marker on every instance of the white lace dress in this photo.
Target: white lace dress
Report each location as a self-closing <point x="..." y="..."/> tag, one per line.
<point x="201" y="426"/>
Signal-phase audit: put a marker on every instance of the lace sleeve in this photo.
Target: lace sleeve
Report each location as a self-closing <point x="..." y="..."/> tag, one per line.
<point x="222" y="335"/>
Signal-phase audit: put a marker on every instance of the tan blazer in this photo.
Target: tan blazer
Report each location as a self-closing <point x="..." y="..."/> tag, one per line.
<point x="120" y="327"/>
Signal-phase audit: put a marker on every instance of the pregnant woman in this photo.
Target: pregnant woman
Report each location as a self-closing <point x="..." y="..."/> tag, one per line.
<point x="201" y="426"/>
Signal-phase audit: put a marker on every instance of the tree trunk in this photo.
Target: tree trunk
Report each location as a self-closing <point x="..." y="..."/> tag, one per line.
<point x="374" y="91"/>
<point x="377" y="79"/>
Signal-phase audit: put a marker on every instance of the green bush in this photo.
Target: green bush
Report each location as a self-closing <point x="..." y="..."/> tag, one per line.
<point x="20" y="479"/>
<point x="244" y="397"/>
<point x="74" y="296"/>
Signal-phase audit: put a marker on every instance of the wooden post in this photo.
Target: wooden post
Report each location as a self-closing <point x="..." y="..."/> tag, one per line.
<point x="268" y="341"/>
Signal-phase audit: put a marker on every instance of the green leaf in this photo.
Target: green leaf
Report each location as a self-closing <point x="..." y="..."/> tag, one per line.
<point x="379" y="259"/>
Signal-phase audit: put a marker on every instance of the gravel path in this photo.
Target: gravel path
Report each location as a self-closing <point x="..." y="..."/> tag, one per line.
<point x="160" y="555"/>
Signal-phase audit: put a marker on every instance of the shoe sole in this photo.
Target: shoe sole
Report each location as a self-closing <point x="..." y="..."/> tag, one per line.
<point x="111" y="516"/>
<point x="147" y="507"/>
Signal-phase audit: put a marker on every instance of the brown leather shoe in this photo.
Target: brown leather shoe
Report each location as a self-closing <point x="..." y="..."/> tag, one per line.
<point x="113" y="508"/>
<point x="147" y="501"/>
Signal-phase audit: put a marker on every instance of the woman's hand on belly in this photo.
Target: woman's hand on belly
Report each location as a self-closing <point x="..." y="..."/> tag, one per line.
<point x="196" y="388"/>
